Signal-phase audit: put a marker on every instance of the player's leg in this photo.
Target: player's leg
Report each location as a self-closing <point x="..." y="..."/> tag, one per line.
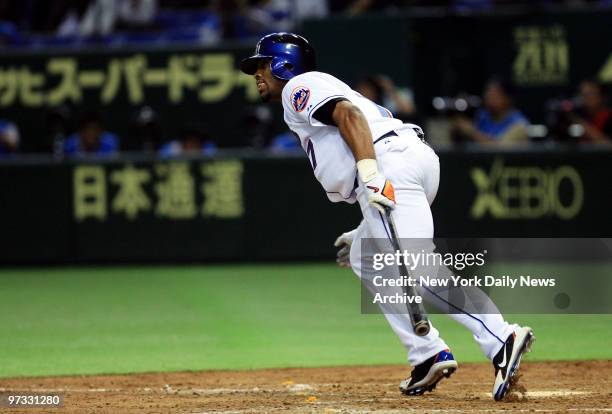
<point x="419" y="348"/>
<point x="415" y="172"/>
<point x="429" y="355"/>
<point x="415" y="175"/>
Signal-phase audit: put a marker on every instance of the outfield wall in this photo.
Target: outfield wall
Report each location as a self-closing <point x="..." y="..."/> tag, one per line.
<point x="255" y="207"/>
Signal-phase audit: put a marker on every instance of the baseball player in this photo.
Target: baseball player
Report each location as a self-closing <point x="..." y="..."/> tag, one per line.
<point x="360" y="153"/>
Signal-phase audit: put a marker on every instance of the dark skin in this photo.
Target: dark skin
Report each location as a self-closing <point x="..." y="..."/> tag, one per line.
<point x="498" y="104"/>
<point x="90" y="135"/>
<point x="593" y="103"/>
<point x="350" y="121"/>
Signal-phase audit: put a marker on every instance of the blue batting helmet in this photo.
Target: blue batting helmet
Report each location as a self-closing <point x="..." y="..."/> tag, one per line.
<point x="290" y="55"/>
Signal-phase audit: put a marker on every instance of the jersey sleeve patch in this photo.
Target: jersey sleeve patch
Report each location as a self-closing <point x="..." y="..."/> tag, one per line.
<point x="299" y="98"/>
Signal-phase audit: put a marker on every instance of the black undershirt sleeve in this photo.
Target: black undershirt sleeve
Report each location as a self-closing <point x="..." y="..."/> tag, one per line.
<point x="324" y="113"/>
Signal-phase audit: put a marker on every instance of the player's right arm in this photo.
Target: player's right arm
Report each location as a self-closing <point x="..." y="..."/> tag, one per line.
<point x="318" y="102"/>
<point x="355" y="131"/>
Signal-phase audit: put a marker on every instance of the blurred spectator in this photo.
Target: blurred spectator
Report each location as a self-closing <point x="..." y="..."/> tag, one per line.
<point x="499" y="122"/>
<point x="258" y="17"/>
<point x="136" y="14"/>
<point x="266" y="16"/>
<point x="233" y="15"/>
<point x="16" y="12"/>
<point x="381" y="90"/>
<point x="472" y="5"/>
<point x="144" y="131"/>
<point x="91" y="138"/>
<point x="89" y="18"/>
<point x="193" y="140"/>
<point x="595" y="116"/>
<point x="8" y="33"/>
<point x="285" y="142"/>
<point x="283" y="15"/>
<point x="9" y="137"/>
<point x="310" y="9"/>
<point x="9" y="18"/>
<point x="257" y="124"/>
<point x="188" y="4"/>
<point x="48" y="16"/>
<point x="357" y="7"/>
<point x="257" y="128"/>
<point x="240" y="18"/>
<point x="58" y="125"/>
<point x="253" y="18"/>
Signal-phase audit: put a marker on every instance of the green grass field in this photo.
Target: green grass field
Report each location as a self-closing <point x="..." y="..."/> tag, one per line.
<point x="161" y="318"/>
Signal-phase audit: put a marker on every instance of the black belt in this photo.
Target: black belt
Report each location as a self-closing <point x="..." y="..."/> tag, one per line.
<point x="390" y="134"/>
<point x="387" y="135"/>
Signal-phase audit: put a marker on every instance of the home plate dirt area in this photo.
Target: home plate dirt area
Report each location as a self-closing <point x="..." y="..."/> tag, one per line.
<point x="544" y="387"/>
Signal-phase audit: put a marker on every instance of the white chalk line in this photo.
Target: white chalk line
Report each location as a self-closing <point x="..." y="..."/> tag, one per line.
<point x="293" y="388"/>
<point x="411" y="410"/>
<point x="301" y="388"/>
<point x="414" y="410"/>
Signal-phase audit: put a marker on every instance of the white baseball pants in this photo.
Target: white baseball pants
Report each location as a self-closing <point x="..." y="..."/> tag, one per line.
<point x="414" y="170"/>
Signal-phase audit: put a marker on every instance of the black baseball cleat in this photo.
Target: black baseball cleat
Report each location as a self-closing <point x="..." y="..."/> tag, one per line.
<point x="425" y="376"/>
<point x="508" y="359"/>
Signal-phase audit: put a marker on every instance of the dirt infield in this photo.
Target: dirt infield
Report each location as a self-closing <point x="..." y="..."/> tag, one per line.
<point x="551" y="388"/>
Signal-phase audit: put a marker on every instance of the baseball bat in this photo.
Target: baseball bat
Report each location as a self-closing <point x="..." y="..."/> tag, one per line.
<point x="418" y="316"/>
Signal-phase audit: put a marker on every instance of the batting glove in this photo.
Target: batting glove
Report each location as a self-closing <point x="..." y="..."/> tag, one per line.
<point x="379" y="190"/>
<point x="344" y="242"/>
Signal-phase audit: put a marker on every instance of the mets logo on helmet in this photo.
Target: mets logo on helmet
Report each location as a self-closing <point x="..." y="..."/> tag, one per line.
<point x="299" y="98"/>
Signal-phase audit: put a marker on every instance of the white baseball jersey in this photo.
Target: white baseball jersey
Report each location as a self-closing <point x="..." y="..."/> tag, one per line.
<point x="331" y="159"/>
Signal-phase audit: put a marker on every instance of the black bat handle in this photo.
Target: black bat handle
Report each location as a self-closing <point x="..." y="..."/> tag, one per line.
<point x="418" y="316"/>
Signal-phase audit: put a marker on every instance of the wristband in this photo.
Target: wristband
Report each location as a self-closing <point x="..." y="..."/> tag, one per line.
<point x="367" y="169"/>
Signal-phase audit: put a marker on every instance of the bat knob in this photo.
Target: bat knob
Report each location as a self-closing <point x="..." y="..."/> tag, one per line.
<point x="421" y="328"/>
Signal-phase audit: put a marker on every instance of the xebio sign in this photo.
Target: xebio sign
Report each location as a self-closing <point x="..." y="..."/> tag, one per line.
<point x="522" y="192"/>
